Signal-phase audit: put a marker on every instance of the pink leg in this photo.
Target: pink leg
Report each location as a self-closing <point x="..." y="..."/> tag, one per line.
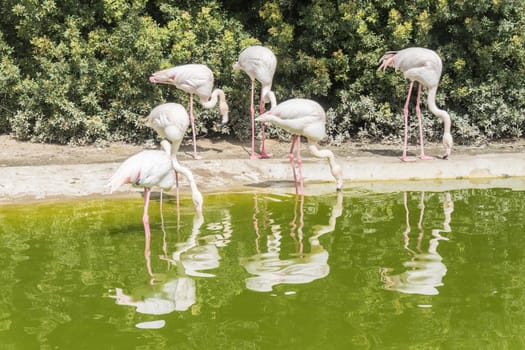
<point x="252" y="112"/>
<point x="420" y="222"/>
<point x="292" y="163"/>
<point x="192" y="119"/>
<point x="404" y="158"/>
<point x="256" y="224"/>
<point x="407" y="218"/>
<point x="299" y="162"/>
<point x="264" y="155"/>
<point x="177" y="191"/>
<point x="298" y="227"/>
<point x="161" y="216"/>
<point x="147" y="233"/>
<point x="163" y="227"/>
<point x="301" y="225"/>
<point x="418" y="112"/>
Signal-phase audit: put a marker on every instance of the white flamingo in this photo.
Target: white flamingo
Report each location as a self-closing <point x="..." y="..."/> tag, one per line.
<point x="147" y="169"/>
<point x="194" y="79"/>
<point x="259" y="63"/>
<point x="170" y="121"/>
<point x="424" y="66"/>
<point x="307" y="118"/>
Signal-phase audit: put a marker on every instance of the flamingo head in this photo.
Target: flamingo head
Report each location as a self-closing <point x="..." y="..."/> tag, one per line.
<point x="224" y="109"/>
<point x="447" y="142"/>
<point x="165" y="76"/>
<point x="267" y="117"/>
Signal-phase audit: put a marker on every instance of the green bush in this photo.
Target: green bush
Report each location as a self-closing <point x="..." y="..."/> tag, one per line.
<point x="9" y="76"/>
<point x="77" y="72"/>
<point x="482" y="44"/>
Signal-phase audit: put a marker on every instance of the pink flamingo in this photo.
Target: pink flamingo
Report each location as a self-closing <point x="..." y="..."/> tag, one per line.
<point x="424" y="66"/>
<point x="259" y="63"/>
<point x="147" y="169"/>
<point x="170" y="121"/>
<point x="194" y="79"/>
<point x="307" y="118"/>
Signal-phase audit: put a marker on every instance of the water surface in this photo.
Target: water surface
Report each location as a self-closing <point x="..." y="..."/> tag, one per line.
<point x="263" y="271"/>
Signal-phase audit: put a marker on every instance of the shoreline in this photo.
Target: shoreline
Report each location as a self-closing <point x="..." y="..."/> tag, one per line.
<point x="375" y="173"/>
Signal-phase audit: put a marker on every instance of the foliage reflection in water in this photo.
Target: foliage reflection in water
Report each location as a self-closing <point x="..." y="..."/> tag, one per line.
<point x="267" y="271"/>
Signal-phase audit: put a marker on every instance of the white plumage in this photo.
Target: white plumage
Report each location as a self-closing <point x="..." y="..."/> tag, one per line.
<point x="259" y="63"/>
<point x="303" y="117"/>
<point x="424" y="66"/>
<point x="170" y="121"/>
<point x="194" y="79"/>
<point x="148" y="169"/>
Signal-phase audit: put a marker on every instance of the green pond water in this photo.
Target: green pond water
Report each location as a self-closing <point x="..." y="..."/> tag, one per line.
<point x="406" y="270"/>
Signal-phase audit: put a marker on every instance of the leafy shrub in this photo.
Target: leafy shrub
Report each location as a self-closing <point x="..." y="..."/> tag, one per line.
<point x="77" y="72"/>
<point x="9" y="76"/>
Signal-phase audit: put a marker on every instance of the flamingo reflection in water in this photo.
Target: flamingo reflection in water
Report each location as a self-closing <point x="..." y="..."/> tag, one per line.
<point x="166" y="292"/>
<point x="201" y="253"/>
<point x="269" y="269"/>
<point x="176" y="290"/>
<point x="425" y="270"/>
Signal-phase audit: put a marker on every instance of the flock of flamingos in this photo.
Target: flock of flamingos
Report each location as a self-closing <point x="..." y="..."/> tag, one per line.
<point x="300" y="117"/>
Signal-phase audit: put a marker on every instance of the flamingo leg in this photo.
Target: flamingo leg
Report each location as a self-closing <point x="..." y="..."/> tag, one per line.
<point x="298" y="227"/>
<point x="420" y="121"/>
<point x="420" y="222"/>
<point x="292" y="163"/>
<point x="177" y="192"/>
<point x="301" y="225"/>
<point x="407" y="218"/>
<point x="264" y="155"/>
<point x="163" y="228"/>
<point x="161" y="216"/>
<point x="147" y="232"/>
<point x="252" y="112"/>
<point x="299" y="162"/>
<point x="404" y="158"/>
<point x="256" y="224"/>
<point x="192" y="119"/>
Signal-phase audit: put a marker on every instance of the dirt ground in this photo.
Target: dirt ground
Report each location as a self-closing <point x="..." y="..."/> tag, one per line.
<point x="16" y="153"/>
<point x="30" y="171"/>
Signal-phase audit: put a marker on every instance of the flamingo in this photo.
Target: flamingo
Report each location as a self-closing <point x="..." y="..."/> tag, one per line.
<point x="170" y="121"/>
<point x="259" y="63"/>
<point x="424" y="66"/>
<point x="307" y="118"/>
<point x="425" y="270"/>
<point x="194" y="79"/>
<point x="147" y="169"/>
<point x="268" y="268"/>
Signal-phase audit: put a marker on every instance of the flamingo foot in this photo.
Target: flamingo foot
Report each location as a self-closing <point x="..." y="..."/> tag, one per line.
<point x="253" y="156"/>
<point x="424" y="157"/>
<point x="406" y="159"/>
<point x="265" y="155"/>
<point x="196" y="156"/>
<point x="447" y="153"/>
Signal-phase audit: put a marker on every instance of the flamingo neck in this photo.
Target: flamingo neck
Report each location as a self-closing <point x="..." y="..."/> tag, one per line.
<point x="210" y="102"/>
<point x="166" y="146"/>
<point x="265" y="90"/>
<point x="437" y="111"/>
<point x="445" y="117"/>
<point x="273" y="100"/>
<point x="195" y="193"/>
<point x="335" y="168"/>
